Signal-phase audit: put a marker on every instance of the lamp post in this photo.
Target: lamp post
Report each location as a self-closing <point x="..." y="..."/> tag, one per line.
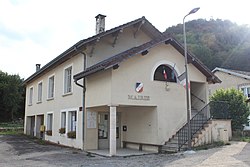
<point x="187" y="81"/>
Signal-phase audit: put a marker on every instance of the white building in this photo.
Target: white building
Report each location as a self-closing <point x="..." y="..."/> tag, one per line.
<point x="121" y="96"/>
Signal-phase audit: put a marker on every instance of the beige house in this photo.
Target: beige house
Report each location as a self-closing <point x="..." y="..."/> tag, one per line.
<point x="239" y="80"/>
<point x="128" y="90"/>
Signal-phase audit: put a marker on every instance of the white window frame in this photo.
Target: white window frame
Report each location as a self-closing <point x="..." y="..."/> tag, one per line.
<point x="49" y="125"/>
<point x="65" y="81"/>
<point x="39" y="92"/>
<point x="63" y="120"/>
<point x="245" y="92"/>
<point x="164" y="62"/>
<point x="50" y="97"/>
<point x="31" y="95"/>
<point x="72" y="125"/>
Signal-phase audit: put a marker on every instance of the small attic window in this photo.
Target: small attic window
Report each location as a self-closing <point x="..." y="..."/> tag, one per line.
<point x="164" y="73"/>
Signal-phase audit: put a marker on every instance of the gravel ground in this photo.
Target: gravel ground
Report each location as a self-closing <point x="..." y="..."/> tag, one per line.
<point x="23" y="151"/>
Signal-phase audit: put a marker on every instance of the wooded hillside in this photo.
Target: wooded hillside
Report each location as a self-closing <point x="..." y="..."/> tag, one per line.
<point x="217" y="43"/>
<point x="12" y="97"/>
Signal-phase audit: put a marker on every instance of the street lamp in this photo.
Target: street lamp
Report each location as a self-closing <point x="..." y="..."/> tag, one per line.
<point x="187" y="81"/>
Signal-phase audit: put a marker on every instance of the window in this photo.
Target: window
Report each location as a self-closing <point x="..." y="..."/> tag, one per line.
<point x="72" y="120"/>
<point x="39" y="93"/>
<point x="51" y="87"/>
<point x="68" y="80"/>
<point x="165" y="73"/>
<point x="103" y="125"/>
<point x="31" y="95"/>
<point x="63" y="120"/>
<point x="49" y="124"/>
<point x="246" y="91"/>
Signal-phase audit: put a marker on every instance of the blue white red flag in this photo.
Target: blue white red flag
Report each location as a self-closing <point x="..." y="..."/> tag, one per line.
<point x="164" y="74"/>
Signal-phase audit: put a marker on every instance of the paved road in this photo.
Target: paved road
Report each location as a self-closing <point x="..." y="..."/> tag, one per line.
<point x="23" y="151"/>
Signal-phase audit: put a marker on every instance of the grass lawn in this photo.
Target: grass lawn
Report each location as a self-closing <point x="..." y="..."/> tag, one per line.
<point x="10" y="124"/>
<point x="12" y="132"/>
<point x="245" y="139"/>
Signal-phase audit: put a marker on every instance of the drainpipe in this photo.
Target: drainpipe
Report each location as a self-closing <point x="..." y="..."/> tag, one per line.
<point x="84" y="89"/>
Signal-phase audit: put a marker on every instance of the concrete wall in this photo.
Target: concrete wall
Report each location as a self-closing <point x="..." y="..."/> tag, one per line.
<point x="98" y="89"/>
<point x="91" y="134"/>
<point x="104" y="49"/>
<point x="216" y="130"/>
<point x="141" y="124"/>
<point x="200" y="92"/>
<point x="60" y="102"/>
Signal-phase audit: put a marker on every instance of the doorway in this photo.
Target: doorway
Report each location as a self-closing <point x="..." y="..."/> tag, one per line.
<point x="103" y="130"/>
<point x="30" y="125"/>
<point x="39" y="126"/>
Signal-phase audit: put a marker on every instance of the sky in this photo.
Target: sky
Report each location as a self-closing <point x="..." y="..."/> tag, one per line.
<point x="36" y="31"/>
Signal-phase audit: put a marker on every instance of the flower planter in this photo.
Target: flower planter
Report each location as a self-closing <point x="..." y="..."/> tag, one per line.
<point x="62" y="130"/>
<point x="49" y="132"/>
<point x="71" y="134"/>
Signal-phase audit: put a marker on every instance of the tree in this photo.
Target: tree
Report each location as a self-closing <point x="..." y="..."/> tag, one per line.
<point x="218" y="43"/>
<point x="238" y="108"/>
<point x="11" y="97"/>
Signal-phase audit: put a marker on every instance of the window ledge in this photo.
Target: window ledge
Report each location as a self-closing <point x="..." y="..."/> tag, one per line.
<point x="38" y="102"/>
<point x="51" y="98"/>
<point x="67" y="94"/>
<point x="29" y="104"/>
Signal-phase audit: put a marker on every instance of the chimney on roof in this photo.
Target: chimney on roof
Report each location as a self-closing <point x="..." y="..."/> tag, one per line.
<point x="38" y="66"/>
<point x="100" y="23"/>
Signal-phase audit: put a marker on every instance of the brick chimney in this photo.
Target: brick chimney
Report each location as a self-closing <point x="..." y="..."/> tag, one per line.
<point x="100" y="23"/>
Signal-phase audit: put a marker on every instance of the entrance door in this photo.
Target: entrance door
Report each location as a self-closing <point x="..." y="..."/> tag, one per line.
<point x="32" y="126"/>
<point x="39" y="123"/>
<point x="103" y="130"/>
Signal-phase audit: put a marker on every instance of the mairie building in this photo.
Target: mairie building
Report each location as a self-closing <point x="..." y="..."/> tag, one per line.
<point x="123" y="87"/>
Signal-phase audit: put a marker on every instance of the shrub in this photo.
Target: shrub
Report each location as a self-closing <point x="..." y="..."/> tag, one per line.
<point x="71" y="134"/>
<point x="238" y="108"/>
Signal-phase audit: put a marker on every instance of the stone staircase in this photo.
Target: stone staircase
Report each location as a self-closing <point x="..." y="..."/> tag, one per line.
<point x="204" y="130"/>
<point x="171" y="146"/>
<point x="199" y="121"/>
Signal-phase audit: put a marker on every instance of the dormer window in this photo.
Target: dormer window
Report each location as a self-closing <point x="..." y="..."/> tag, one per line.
<point x="165" y="73"/>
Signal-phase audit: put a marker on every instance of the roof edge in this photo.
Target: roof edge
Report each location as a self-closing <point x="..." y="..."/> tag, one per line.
<point x="136" y="50"/>
<point x="231" y="72"/>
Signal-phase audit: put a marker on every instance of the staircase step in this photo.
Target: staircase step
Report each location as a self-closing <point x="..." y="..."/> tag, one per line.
<point x="169" y="149"/>
<point x="171" y="145"/>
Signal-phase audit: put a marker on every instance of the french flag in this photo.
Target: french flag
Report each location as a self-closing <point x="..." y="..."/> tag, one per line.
<point x="164" y="74"/>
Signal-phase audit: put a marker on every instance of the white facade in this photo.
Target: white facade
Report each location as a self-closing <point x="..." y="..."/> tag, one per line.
<point x="127" y="102"/>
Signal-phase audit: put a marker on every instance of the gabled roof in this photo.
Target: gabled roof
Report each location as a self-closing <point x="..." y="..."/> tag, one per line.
<point x="242" y="74"/>
<point x="147" y="27"/>
<point x="143" y="49"/>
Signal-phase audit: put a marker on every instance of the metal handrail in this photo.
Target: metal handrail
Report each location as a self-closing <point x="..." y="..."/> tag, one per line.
<point x="198" y="121"/>
<point x="197" y="98"/>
